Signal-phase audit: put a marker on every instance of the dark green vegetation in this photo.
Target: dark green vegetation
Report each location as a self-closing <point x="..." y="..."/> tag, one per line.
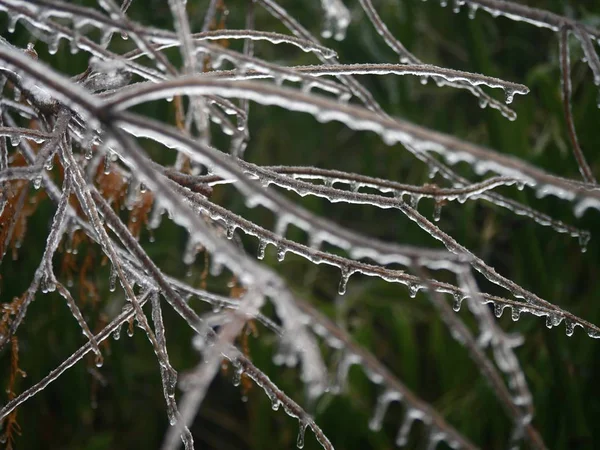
<point x="121" y="405"/>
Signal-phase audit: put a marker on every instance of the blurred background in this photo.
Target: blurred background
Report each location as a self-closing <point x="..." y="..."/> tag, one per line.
<point x="121" y="404"/>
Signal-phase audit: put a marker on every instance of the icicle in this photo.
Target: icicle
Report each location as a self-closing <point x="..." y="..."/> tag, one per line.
<point x="433" y="170"/>
<point x="286" y="354"/>
<point x="472" y="10"/>
<point x="37" y="182"/>
<point x="74" y="41"/>
<point x="12" y="22"/>
<point x="413" y="289"/>
<point x="344" y="280"/>
<point x="275" y="403"/>
<point x="156" y="215"/>
<point x="53" y="44"/>
<point x="435" y="436"/>
<point x="437" y="211"/>
<point x="107" y="162"/>
<point x="262" y="245"/>
<point x="237" y="374"/>
<point x="509" y="96"/>
<point x="346" y="361"/>
<point x="189" y="255"/>
<point x="456" y="6"/>
<point x="230" y="231"/>
<point x="383" y="402"/>
<point x="592" y="332"/>
<point x="584" y="238"/>
<point x="117" y="333"/>
<point x="216" y="266"/>
<point x="112" y="279"/>
<point x="337" y="19"/>
<point x="516" y="313"/>
<point x="570" y="327"/>
<point x="15" y="139"/>
<point x="48" y="284"/>
<point x="281" y="225"/>
<point x="414" y="200"/>
<point x="553" y="320"/>
<point x="498" y="309"/>
<point x="132" y="196"/>
<point x="301" y="430"/>
<point x="403" y="432"/>
<point x="458" y="299"/>
<point x="314" y="240"/>
<point x="281" y="251"/>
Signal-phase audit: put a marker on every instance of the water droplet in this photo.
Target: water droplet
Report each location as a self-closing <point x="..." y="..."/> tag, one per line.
<point x="99" y="360"/>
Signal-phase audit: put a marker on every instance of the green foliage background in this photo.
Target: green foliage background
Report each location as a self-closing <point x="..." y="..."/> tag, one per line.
<point x="404" y="333"/>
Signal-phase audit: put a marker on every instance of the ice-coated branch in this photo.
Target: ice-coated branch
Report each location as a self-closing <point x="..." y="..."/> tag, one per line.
<point x="394" y="389"/>
<point x="115" y="324"/>
<point x="565" y="71"/>
<point x="391" y="130"/>
<point x="462" y="334"/>
<point x="408" y="58"/>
